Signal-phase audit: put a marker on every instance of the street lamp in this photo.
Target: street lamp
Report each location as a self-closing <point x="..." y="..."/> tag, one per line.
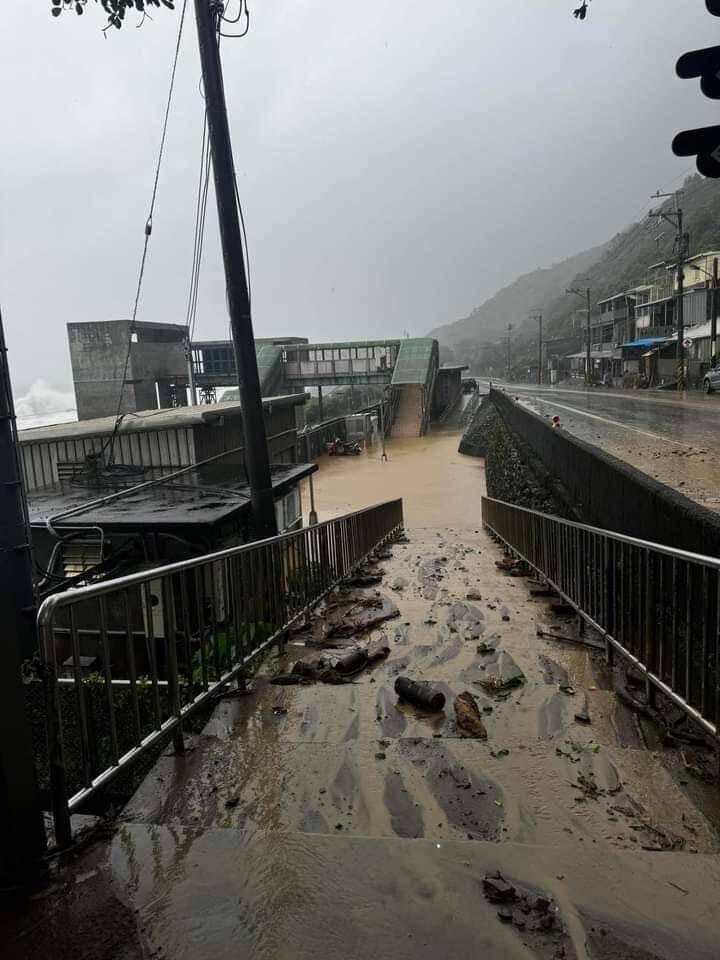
<point x="585" y="296"/>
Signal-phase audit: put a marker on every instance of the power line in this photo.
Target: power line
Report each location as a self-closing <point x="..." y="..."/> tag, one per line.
<point x="198" y="242"/>
<point x="148" y="230"/>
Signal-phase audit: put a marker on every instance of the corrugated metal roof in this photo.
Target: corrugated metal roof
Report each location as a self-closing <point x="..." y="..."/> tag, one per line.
<point x="151" y="419"/>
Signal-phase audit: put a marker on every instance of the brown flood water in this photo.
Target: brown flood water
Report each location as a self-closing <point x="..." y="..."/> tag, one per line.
<point x="439" y="486"/>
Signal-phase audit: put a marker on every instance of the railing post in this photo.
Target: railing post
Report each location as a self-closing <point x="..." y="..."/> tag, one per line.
<point x="172" y="667"/>
<point x="53" y="726"/>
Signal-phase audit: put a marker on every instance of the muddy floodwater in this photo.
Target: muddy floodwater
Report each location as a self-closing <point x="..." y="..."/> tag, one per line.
<point x="439" y="486"/>
<point x="334" y="820"/>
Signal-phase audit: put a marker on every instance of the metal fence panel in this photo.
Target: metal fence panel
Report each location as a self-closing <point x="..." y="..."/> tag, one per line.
<point x="656" y="605"/>
<point x="161" y="642"/>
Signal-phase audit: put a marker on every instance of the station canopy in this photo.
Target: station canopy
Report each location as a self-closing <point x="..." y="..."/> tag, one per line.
<point x="414" y="360"/>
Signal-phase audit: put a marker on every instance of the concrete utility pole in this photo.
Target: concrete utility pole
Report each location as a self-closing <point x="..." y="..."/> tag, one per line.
<point x="682" y="246"/>
<point x="22" y="835"/>
<point x="539" y="318"/>
<point x="207" y="13"/>
<point x="507" y="366"/>
<point x="588" y="352"/>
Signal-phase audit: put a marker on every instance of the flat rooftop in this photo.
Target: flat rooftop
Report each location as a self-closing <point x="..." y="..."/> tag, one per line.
<point x="204" y="494"/>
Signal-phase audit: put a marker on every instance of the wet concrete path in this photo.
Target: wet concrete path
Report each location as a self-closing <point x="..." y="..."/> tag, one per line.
<point x="334" y="821"/>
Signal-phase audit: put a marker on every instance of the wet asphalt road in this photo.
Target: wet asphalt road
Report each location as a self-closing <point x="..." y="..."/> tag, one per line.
<point x="331" y="821"/>
<point x="674" y="440"/>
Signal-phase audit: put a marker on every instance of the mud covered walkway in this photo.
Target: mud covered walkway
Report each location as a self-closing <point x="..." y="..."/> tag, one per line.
<point x="330" y="820"/>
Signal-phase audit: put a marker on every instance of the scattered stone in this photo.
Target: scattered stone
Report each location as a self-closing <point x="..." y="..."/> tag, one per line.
<point x="398" y="584"/>
<point x="568" y="689"/>
<point x="582" y="716"/>
<point x="231" y="802"/>
<point x="279" y="711"/>
<point x="505" y="915"/>
<point x="380" y="756"/>
<point x="487" y="646"/>
<point x="501" y="752"/>
<point x="467" y="716"/>
<point x="473" y="595"/>
<point x="497" y="889"/>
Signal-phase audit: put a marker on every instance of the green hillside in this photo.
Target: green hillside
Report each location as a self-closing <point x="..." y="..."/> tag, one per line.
<point x="620" y="264"/>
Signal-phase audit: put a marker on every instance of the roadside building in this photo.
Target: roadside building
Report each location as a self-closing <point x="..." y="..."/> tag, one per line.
<point x="164" y="485"/>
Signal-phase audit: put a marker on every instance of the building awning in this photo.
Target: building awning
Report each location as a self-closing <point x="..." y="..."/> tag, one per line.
<point x="699" y="332"/>
<point x="594" y="355"/>
<point x="648" y="341"/>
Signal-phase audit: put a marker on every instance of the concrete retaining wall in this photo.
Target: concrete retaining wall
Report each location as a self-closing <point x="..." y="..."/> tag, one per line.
<point x="611" y="493"/>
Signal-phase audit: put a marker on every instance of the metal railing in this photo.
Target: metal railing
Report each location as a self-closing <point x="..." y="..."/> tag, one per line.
<point x="657" y="606"/>
<point x="174" y="635"/>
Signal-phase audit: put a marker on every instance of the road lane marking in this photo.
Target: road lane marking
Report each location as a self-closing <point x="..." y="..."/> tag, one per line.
<point x="614" y="423"/>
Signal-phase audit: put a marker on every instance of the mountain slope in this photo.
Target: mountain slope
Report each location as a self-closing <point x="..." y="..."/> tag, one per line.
<point x="621" y="263"/>
<point x="529" y="293"/>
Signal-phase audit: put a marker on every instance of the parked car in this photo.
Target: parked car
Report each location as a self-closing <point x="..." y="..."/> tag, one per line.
<point x="711" y="380"/>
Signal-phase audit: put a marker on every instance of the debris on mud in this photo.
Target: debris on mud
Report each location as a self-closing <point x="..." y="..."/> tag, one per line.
<point x="583" y="716"/>
<point x="325" y="670"/>
<point x="430" y="572"/>
<point x="516" y="568"/>
<point x="366" y="613"/>
<point x="532" y="914"/>
<point x="420" y="694"/>
<point x="467" y="715"/>
<point x="488" y="646"/>
<point x="466" y="619"/>
<point x="502" y="676"/>
<point x="353" y="662"/>
<point x="365" y="578"/>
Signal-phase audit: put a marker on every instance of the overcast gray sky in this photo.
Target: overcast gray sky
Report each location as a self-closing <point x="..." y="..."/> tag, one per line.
<point x="397" y="162"/>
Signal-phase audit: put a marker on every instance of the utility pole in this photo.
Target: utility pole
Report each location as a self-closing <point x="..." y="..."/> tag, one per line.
<point x="539" y="318"/>
<point x="507" y="365"/>
<point x="588" y="352"/>
<point x="681" y="249"/>
<point x="257" y="460"/>
<point x="22" y="834"/>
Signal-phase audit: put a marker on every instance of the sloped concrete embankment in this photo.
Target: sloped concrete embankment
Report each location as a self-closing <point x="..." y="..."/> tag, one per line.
<point x="512" y="471"/>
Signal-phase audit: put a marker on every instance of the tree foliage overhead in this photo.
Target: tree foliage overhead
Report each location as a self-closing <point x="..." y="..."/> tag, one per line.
<point x="115" y="9"/>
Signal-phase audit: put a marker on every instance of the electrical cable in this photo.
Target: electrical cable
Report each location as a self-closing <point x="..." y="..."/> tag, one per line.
<point x="242" y="8"/>
<point x="148" y="231"/>
<point x="200" y="214"/>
